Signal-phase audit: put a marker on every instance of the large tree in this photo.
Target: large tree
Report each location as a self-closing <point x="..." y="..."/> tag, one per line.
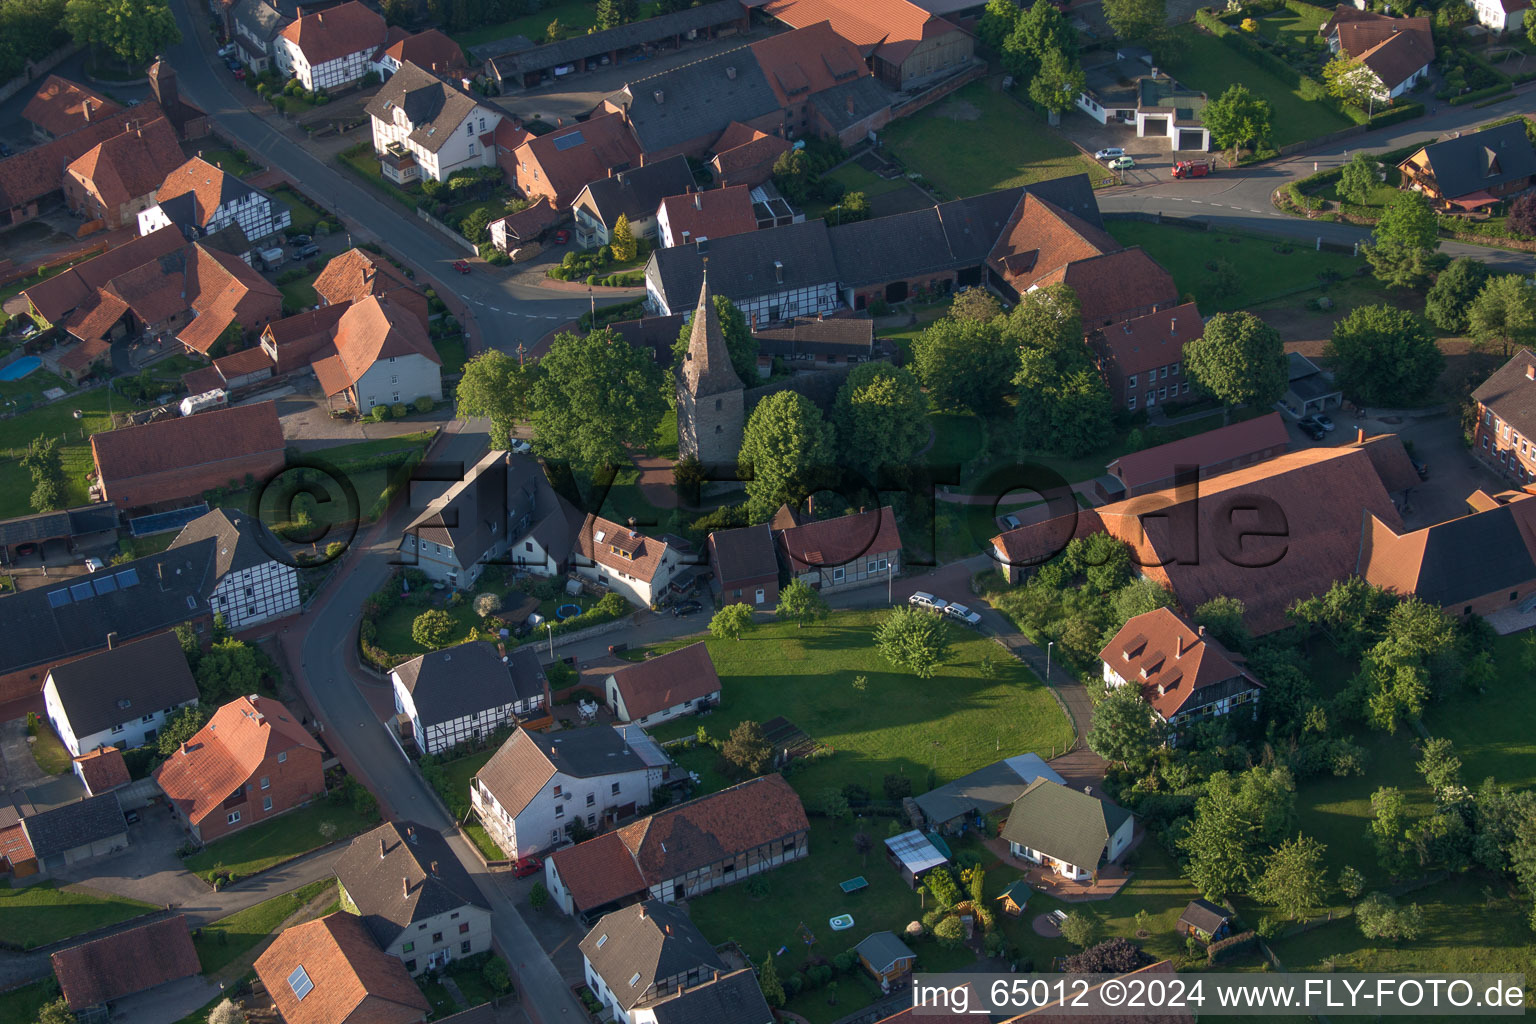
<point x="1239" y="360"/>
<point x="495" y="386"/>
<point x="881" y="416"/>
<point x="996" y="22"/>
<point x="1238" y="118"/>
<point x="1358" y="177"/>
<point x="596" y="399"/>
<point x="1447" y="302"/>
<point x="738" y="340"/>
<point x="746" y="750"/>
<point x="1135" y="19"/>
<point x="1125" y="730"/>
<point x="43" y="461"/>
<point x="228" y="669"/>
<point x="1235" y="819"/>
<point x="789" y="449"/>
<point x="133" y="31"/>
<point x="1043" y="30"/>
<point x="1503" y="316"/>
<point x="180" y="727"/>
<point x="801" y="603"/>
<point x="1294" y="881"/>
<point x="1404" y="241"/>
<point x="914" y="638"/>
<point x="1058" y="82"/>
<point x="964" y="364"/>
<point x="1351" y="81"/>
<point x="1384" y="355"/>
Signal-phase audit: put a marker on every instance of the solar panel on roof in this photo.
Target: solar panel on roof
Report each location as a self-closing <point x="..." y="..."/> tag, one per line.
<point x="565" y="142"/>
<point x="299" y="981"/>
<point x="58" y="598"/>
<point x="128" y="578"/>
<point x="104" y="584"/>
<point x="82" y="591"/>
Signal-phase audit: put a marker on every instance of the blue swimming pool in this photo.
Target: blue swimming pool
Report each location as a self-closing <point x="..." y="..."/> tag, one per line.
<point x="20" y="368"/>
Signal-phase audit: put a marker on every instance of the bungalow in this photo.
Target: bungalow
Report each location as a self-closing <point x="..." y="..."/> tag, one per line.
<point x="120" y="697"/>
<point x="1186" y="676"/>
<point x="1392" y="55"/>
<point x="120" y="176"/>
<point x="330" y="49"/>
<point x="1069" y="832"/>
<point x="96" y="973"/>
<point x="746" y="565"/>
<point x="643" y="953"/>
<point x="60" y="107"/>
<point x="1505" y="435"/>
<point x="625" y="560"/>
<point x="382" y="355"/>
<point x="886" y="958"/>
<point x="258" y="580"/>
<point x="1208" y="454"/>
<point x="704" y="213"/>
<point x="1309" y="390"/>
<point x="539" y="787"/>
<point x="858" y="549"/>
<point x="635" y="194"/>
<point x="199" y="198"/>
<point x="424" y="128"/>
<point x="467" y="692"/>
<point x="1129" y="90"/>
<point x="683" y="851"/>
<point x="251" y="762"/>
<point x="1472" y="170"/>
<point x="647" y="693"/>
<point x="1205" y="921"/>
<point x="330" y="971"/>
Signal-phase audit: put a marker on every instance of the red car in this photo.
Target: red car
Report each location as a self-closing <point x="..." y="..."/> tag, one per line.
<point x="562" y="236"/>
<point x="526" y="866"/>
<point x="461" y="266"/>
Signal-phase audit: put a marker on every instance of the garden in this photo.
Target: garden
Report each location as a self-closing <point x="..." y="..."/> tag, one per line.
<point x="603" y="265"/>
<point x="42" y="913"/>
<point x="342" y="813"/>
<point x="230" y="938"/>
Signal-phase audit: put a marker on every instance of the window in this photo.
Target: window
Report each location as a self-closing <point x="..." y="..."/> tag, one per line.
<point x="591" y="819"/>
<point x="1130" y="403"/>
<point x="615" y="789"/>
<point x="559" y="810"/>
<point x="410" y="966"/>
<point x="266" y="783"/>
<point x="453" y="916"/>
<point x="1162" y="394"/>
<point x="464" y="928"/>
<point x="464" y="947"/>
<point x="282" y="755"/>
<point x="232" y="818"/>
<point x="437" y="936"/>
<point x="591" y="799"/>
<point x="759" y="595"/>
<point x="148" y="718"/>
<point x="469" y="129"/>
<point x="554" y="835"/>
<point x="875" y="565"/>
<point x="409" y="947"/>
<point x="1130" y="381"/>
<point x="1175" y="370"/>
<point x="717" y="405"/>
<point x="117" y="729"/>
<point x="557" y="791"/>
<point x="837" y="575"/>
<point x="266" y="803"/>
<point x="393" y="379"/>
<point x="482" y="124"/>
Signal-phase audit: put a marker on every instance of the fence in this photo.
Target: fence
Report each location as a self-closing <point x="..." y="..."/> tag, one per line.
<point x="469" y="247"/>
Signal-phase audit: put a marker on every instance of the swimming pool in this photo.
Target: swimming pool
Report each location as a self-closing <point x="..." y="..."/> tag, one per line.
<point x="20" y="368"/>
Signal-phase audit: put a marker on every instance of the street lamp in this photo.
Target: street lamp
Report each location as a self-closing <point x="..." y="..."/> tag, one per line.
<point x="1048" y="646"/>
<point x="550" y="627"/>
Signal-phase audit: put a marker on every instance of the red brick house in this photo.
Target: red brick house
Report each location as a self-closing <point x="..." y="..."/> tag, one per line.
<point x="1215" y="451"/>
<point x="557" y="165"/>
<point x="1142" y="359"/>
<point x="1505" y="436"/>
<point x="251" y="762"/>
<point x="745" y="155"/>
<point x="174" y="459"/>
<point x="117" y="178"/>
<point x="745" y="565"/>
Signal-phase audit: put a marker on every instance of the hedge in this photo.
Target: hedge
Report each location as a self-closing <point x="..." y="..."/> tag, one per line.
<point x="1479" y="94"/>
<point x="1231" y="947"/>
<point x="1399" y="112"/>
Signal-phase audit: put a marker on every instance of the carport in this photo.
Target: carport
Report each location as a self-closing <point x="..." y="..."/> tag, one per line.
<point x="51" y="526"/>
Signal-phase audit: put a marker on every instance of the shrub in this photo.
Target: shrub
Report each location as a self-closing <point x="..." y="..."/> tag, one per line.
<point x="423" y="404"/>
<point x="432" y="628"/>
<point x="495" y="975"/>
<point x="487" y="605"/>
<point x="1231" y="948"/>
<point x="399" y="410"/>
<point x="950" y="932"/>
<point x="380" y="413"/>
<point x="538" y="896"/>
<point x="897" y="787"/>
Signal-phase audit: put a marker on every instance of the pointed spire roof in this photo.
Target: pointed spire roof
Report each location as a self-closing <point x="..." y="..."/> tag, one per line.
<point x="708" y="370"/>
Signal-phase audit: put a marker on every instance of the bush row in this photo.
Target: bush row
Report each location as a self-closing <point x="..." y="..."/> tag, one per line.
<point x="1479" y="94"/>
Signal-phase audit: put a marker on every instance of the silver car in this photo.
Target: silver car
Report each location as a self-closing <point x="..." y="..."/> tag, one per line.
<point x="964" y="614"/>
<point x="925" y="600"/>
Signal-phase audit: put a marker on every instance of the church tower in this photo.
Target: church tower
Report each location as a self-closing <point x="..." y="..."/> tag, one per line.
<point x="710" y="397"/>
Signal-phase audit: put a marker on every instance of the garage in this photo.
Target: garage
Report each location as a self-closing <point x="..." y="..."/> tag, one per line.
<point x="1192" y="138"/>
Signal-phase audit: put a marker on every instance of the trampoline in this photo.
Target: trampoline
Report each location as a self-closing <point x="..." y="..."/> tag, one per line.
<point x="20" y="368"/>
<point x="567" y="611"/>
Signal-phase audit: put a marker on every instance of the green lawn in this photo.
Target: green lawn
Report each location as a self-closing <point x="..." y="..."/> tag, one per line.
<point x="954" y="723"/>
<point x="48" y="751"/>
<point x="300" y="295"/>
<point x="482" y="839"/>
<point x="471" y="980"/>
<point x="1265" y="268"/>
<point x="58" y="420"/>
<point x="453" y="354"/>
<point x="1491" y="731"/>
<point x="303" y="217"/>
<point x="979" y="140"/>
<point x="229" y="938"/>
<point x="231" y="161"/>
<point x="279" y="840"/>
<point x="1210" y="65"/>
<point x="1295" y="28"/>
<point x="957" y="437"/>
<point x="38" y="914"/>
<point x="854" y="178"/>
<point x="22" y="1004"/>
<point x="361" y="160"/>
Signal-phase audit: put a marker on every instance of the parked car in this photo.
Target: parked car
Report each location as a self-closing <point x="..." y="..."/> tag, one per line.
<point x="239" y="73"/>
<point x="964" y="614"/>
<point x="687" y="608"/>
<point x="461" y="266"/>
<point x="1308" y="425"/>
<point x="93" y="565"/>
<point x="923" y="599"/>
<point x="526" y="866"/>
<point x="1009" y="522"/>
<point x="23" y="550"/>
<point x="299" y="239"/>
<point x="304" y="252"/>
<point x="227" y="50"/>
<point x="1193" y="168"/>
<point x="1420" y="468"/>
<point x="1324" y="422"/>
<point x="562" y="236"/>
<point x="1109" y="154"/>
<point x="617" y="648"/>
<point x="1122" y="163"/>
<point x="520" y="446"/>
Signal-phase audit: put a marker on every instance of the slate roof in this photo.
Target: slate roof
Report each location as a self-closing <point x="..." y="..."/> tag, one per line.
<point x="371" y="870"/>
<point x="637" y="192"/>
<point x="525" y="763"/>
<point x="744" y="554"/>
<point x="742" y="266"/>
<point x="1511" y="393"/>
<point x="243" y="540"/>
<point x="623" y="37"/>
<point x="353" y="981"/>
<point x="700" y="98"/>
<point x="678" y="677"/>
<point x="636" y="948"/>
<point x="60" y="106"/>
<point x="260" y="18"/>
<point x="707" y="368"/>
<point x="733" y="998"/>
<point x="85" y="821"/>
<point x="471" y="516"/>
<point x="1063" y="823"/>
<point x="882" y="950"/>
<point x="124" y="683"/>
<point x="434" y="108"/>
<point x="149" y="448"/>
<point x="1138" y="469"/>
<point x="127" y="962"/>
<point x="1176" y="665"/>
<point x="469" y="678"/>
<point x="1491" y="552"/>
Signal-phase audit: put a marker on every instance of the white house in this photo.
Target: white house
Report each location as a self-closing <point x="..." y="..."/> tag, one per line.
<point x="199" y="199"/>
<point x="634" y="194"/>
<point x="1500" y="15"/>
<point x="1394" y="52"/>
<point x="381" y="355"/>
<point x="425" y="128"/>
<point x="628" y="562"/>
<point x="256" y="25"/>
<point x="657" y="690"/>
<point x="539" y="785"/>
<point x="1130" y="91"/>
<point x="330" y="48"/>
<point x="466" y="691"/>
<point x="120" y="697"/>
<point x="257" y="581"/>
<point x="1068" y="831"/>
<point x="643" y="954"/>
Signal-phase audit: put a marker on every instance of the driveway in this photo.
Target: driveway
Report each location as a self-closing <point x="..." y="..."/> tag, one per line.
<point x="19" y="767"/>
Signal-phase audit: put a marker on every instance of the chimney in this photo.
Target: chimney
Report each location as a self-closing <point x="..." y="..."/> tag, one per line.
<point x="405" y="886"/>
<point x="850" y="106"/>
<point x="642" y="911"/>
<point x="111" y="640"/>
<point x="1202" y="630"/>
<point x="1530" y="371"/>
<point x="659" y="95"/>
<point x="183" y="746"/>
<point x="1359" y="435"/>
<point x="698" y="200"/>
<point x="86" y="110"/>
<point x="1173" y="325"/>
<point x="610" y="171"/>
<point x="434" y="869"/>
<point x="778" y="271"/>
<point x="382" y="850"/>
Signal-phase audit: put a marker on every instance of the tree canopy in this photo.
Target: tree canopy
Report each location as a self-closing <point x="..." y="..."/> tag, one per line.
<point x="788" y="447"/>
<point x="1135" y="19"/>
<point x="1358" y="177"/>
<point x="800" y="602"/>
<point x="1235" y="819"/>
<point x="495" y="386"/>
<point x="1503" y="316"/>
<point x="1058" y="81"/>
<point x="1238" y="118"/>
<point x="133" y="31"/>
<point x="1125" y="731"/>
<point x="964" y="364"/>
<point x="1384" y="355"/>
<point x="1404" y="241"/>
<point x="1447" y="302"/>
<point x="596" y="399"/>
<point x="915" y="639"/>
<point x="1295" y="881"/>
<point x="1239" y="360"/>
<point x="881" y="416"/>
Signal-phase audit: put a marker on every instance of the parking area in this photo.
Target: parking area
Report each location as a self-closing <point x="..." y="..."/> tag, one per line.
<point x="1154" y="156"/>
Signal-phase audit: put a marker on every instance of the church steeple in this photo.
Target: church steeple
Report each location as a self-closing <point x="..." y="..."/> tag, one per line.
<point x="707" y="370"/>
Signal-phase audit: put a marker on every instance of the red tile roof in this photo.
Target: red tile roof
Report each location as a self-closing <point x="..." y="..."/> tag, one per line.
<point x="1147" y="342"/>
<point x="103" y="769"/>
<point x="353" y="981"/>
<point x="55" y="297"/>
<point x="1042" y="237"/>
<point x="641" y="555"/>
<point x="90" y="323"/>
<point x="1171" y="660"/>
<point x="711" y="214"/>
<point x="891" y="28"/>
<point x="33" y="174"/>
<point x="60" y="106"/>
<point x="224" y="289"/>
<point x="1036" y="543"/>
<point x="127" y="962"/>
<point x="680" y="677"/>
<point x="208" y="184"/>
<point x="336" y="32"/>
<point x="356" y="274"/>
<point x="130" y="165"/>
<point x="809" y="60"/>
<point x="247" y="360"/>
<point x="1115" y="285"/>
<point x="183" y="441"/>
<point x="598" y="871"/>
<point x="832" y="542"/>
<point x="607" y="145"/>
<point x="226" y="752"/>
<point x="15" y="847"/>
<point x="527" y="223"/>
<point x="429" y="50"/>
<point x="298" y="339"/>
<point x="371" y="330"/>
<point x="1212" y="448"/>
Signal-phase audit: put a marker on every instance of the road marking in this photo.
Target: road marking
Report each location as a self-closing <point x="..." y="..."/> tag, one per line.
<point x="1218" y="204"/>
<point x="1200" y="201"/>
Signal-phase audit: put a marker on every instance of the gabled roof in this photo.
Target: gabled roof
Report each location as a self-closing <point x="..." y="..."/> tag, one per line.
<point x="471" y="516"/>
<point x="182" y="441"/>
<point x="736" y="153"/>
<point x="1492" y="551"/>
<point x="985" y="790"/>
<point x="883" y="950"/>
<point x="700" y="98"/>
<point x="194" y="191"/>
<point x="1205" y="915"/>
<point x="710" y="213"/>
<point x="36" y="172"/>
<point x="260" y="18"/>
<point x="88" y="820"/>
<point x="331" y="972"/>
<point x="744" y="554"/>
<point x="637" y="192"/>
<point x="525" y="763"/>
<point x="428" y="49"/>
<point x="1042" y="237"/>
<point x="1115" y="284"/>
<point x="127" y="962"/>
<point x="336" y="32"/>
<point x="131" y="164"/>
<point x="619" y="547"/>
<point x="224" y="754"/>
<point x="224" y="288"/>
<point x="824" y="543"/>
<point x="746" y="266"/>
<point x="468" y="678"/>
<point x="807" y="61"/>
<point x="636" y="949"/>
<point x="1147" y="342"/>
<point x="1234" y="441"/>
<point x="678" y="677"/>
<point x="1063" y="823"/>
<point x="77" y="286"/>
<point x="1175" y="664"/>
<point x="1511" y="392"/>
<point x="1393" y="48"/>
<point x="123" y="684"/>
<point x="401" y="873"/>
<point x="526" y="224"/>
<point x="60" y="106"/>
<point x="1036" y="543"/>
<point x="890" y="29"/>
<point x="732" y="998"/>
<point x="1480" y="160"/>
<point x="243" y="541"/>
<point x="103" y="769"/>
<point x="433" y="108"/>
<point x="371" y="330"/>
<point x="355" y="274"/>
<point x="576" y="154"/>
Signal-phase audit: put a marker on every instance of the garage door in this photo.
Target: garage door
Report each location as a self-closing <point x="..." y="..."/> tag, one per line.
<point x="1190" y="139"/>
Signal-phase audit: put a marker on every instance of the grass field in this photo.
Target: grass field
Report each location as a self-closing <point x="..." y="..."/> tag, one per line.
<point x="300" y="295"/>
<point x="452" y="352"/>
<point x="1491" y="731"/>
<point x="231" y="162"/>
<point x="42" y="913"/>
<point x="954" y="723"/>
<point x="229" y="938"/>
<point x="1210" y="65"/>
<point x="1296" y="28"/>
<point x="279" y="840"/>
<point x="48" y="751"/>
<point x="979" y="140"/>
<point x="302" y="216"/>
<point x="22" y="1004"/>
<point x="1265" y="267"/>
<point x="395" y="625"/>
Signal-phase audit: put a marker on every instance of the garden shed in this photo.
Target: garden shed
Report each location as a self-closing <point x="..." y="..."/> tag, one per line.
<point x="914" y="853"/>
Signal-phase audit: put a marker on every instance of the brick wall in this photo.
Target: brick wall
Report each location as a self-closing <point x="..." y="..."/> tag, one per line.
<point x="292" y="784"/>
